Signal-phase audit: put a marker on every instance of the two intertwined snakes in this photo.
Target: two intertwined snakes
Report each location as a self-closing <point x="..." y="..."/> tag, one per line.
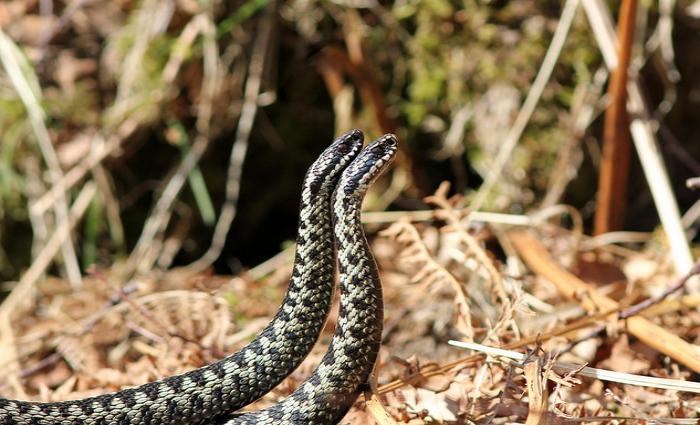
<point x="211" y="393"/>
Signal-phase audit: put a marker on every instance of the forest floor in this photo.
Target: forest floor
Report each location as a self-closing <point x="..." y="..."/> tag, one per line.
<point x="485" y="281"/>
<point x="152" y="153"/>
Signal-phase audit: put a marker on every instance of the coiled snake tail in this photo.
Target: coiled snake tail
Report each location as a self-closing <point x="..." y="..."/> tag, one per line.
<point x="241" y="378"/>
<point x="329" y="393"/>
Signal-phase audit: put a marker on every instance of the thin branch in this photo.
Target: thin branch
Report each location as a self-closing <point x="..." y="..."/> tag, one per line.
<point x="533" y="96"/>
<point x="614" y="167"/>
<point x="635" y="309"/>
<point x="540" y="261"/>
<point x="642" y="129"/>
<point x="240" y="146"/>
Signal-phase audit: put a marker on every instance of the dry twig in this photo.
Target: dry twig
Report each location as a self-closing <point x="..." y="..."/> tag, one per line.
<point x="614" y="167"/>
<point x="540" y="261"/>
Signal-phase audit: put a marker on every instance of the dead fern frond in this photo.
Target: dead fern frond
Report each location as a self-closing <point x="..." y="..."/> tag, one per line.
<point x="416" y="254"/>
<point x="80" y="356"/>
<point x="455" y="225"/>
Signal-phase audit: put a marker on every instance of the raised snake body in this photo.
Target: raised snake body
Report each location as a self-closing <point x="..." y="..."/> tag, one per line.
<point x="237" y="380"/>
<point x="335" y="384"/>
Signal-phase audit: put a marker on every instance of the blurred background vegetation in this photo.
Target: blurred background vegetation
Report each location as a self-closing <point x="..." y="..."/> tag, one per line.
<point x="145" y="100"/>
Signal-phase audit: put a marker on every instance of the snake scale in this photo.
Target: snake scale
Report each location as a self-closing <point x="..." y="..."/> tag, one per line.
<point x="331" y="390"/>
<point x="237" y="380"/>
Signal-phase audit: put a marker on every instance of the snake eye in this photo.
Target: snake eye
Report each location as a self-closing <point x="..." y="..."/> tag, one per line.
<point x="357" y="136"/>
<point x="377" y="150"/>
<point x="343" y="148"/>
<point x="391" y="141"/>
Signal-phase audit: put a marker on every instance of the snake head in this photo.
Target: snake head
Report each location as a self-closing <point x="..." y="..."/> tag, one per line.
<point x="327" y="169"/>
<point x="369" y="165"/>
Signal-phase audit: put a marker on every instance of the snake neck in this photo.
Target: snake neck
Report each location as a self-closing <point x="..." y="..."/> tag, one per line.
<point x="314" y="243"/>
<point x="361" y="304"/>
<point x="333" y="387"/>
<point x="361" y="291"/>
<point x="310" y="290"/>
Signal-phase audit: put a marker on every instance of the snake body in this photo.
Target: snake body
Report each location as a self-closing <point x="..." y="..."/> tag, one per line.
<point x="335" y="384"/>
<point x="237" y="380"/>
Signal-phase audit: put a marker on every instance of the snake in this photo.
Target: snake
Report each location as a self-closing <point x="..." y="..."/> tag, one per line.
<point x="239" y="379"/>
<point x="335" y="384"/>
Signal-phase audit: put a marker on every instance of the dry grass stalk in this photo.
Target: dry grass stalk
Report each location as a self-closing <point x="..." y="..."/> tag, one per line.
<point x="589" y="372"/>
<point x="538" y="413"/>
<point x="375" y="217"/>
<point x="101" y="148"/>
<point x="27" y="87"/>
<point x="146" y="252"/>
<point x="151" y="19"/>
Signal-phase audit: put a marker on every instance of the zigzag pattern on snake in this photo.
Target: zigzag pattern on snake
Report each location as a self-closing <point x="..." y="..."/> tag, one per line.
<point x="335" y="384"/>
<point x="243" y="377"/>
